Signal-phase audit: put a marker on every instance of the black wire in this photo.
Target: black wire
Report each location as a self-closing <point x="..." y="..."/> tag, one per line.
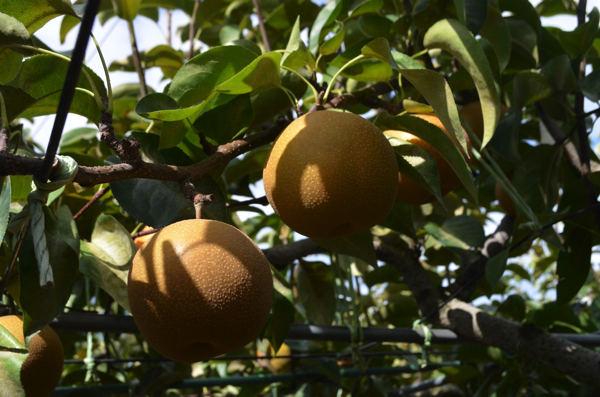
<point x="68" y="91"/>
<point x="515" y="246"/>
<point x="266" y="357"/>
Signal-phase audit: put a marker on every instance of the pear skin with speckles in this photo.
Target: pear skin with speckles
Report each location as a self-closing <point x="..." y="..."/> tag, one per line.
<point x="41" y="371"/>
<point x="198" y="289"/>
<point x="331" y="174"/>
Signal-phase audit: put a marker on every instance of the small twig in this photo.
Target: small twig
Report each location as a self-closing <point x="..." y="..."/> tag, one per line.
<point x="319" y="103"/>
<point x="261" y="24"/>
<point x="260" y="200"/>
<point x="169" y="28"/>
<point x="199" y="199"/>
<point x="145" y="232"/>
<point x="127" y="149"/>
<point x="96" y="197"/>
<point x="13" y="257"/>
<point x="207" y="147"/>
<point x="4" y="138"/>
<point x="137" y="59"/>
<point x="68" y="91"/>
<point x="193" y="28"/>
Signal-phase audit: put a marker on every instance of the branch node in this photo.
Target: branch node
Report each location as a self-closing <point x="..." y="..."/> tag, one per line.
<point x="4" y="138"/>
<point x="127" y="149"/>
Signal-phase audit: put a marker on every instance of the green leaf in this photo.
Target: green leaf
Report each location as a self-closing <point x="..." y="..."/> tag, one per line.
<point x="573" y="265"/>
<point x="172" y="133"/>
<point x="530" y="87"/>
<point x="19" y="99"/>
<point x="359" y="245"/>
<point x="326" y="16"/>
<point x="20" y="186"/>
<point x="590" y="85"/>
<point x="514" y="306"/>
<point x="334" y="43"/>
<point x="5" y="199"/>
<point x="495" y="266"/>
<point x="263" y="71"/>
<point x="285" y="14"/>
<point x="12" y="356"/>
<point x="436" y="90"/>
<point x="298" y="55"/>
<point x="496" y="31"/>
<point x="579" y="41"/>
<point x="160" y="203"/>
<point x="11" y="62"/>
<point x="196" y="80"/>
<point x="166" y="58"/>
<point x="476" y="14"/>
<point x="12" y="31"/>
<point x="158" y="106"/>
<point x="467" y="229"/>
<point x="127" y="9"/>
<point x="366" y="7"/>
<point x="461" y="14"/>
<point x="417" y="164"/>
<point x="78" y="134"/>
<point x="524" y="45"/>
<point x="223" y="122"/>
<point x="36" y="13"/>
<point x="107" y="259"/>
<point x="44" y="74"/>
<point x="453" y="37"/>
<point x="400" y="219"/>
<point x="550" y="8"/>
<point x="316" y="291"/>
<point x="41" y="304"/>
<point x="282" y="315"/>
<point x="506" y="140"/>
<point x="559" y="72"/>
<point x="66" y="25"/>
<point x="416" y="107"/>
<point x="438" y="140"/>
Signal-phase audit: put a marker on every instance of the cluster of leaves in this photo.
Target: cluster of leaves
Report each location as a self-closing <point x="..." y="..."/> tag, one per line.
<point x="494" y="51"/>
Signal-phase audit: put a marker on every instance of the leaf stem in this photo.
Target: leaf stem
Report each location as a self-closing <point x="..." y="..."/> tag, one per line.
<point x="5" y="122"/>
<point x="493" y="168"/>
<point x="137" y="60"/>
<point x="192" y="28"/>
<point x="314" y="90"/>
<point x="108" y="84"/>
<point x="335" y="76"/>
<point x="261" y="24"/>
<point x="293" y="100"/>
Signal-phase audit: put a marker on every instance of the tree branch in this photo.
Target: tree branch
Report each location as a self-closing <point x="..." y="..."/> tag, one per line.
<point x="526" y="340"/>
<point x="261" y="24"/>
<point x="11" y="164"/>
<point x="492" y="247"/>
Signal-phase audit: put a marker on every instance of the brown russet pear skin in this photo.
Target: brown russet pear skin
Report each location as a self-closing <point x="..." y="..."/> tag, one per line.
<point x="198" y="289"/>
<point x="331" y="174"/>
<point x="41" y="371"/>
<point x="411" y="192"/>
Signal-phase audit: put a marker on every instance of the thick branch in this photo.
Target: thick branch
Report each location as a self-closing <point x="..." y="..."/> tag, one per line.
<point x="524" y="339"/>
<point x="470" y="276"/>
<point x="11" y="164"/>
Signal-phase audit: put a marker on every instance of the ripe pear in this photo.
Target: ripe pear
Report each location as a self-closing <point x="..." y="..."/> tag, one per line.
<point x="198" y="289"/>
<point x="331" y="174"/>
<point x="41" y="371"/>
<point x="411" y="192"/>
